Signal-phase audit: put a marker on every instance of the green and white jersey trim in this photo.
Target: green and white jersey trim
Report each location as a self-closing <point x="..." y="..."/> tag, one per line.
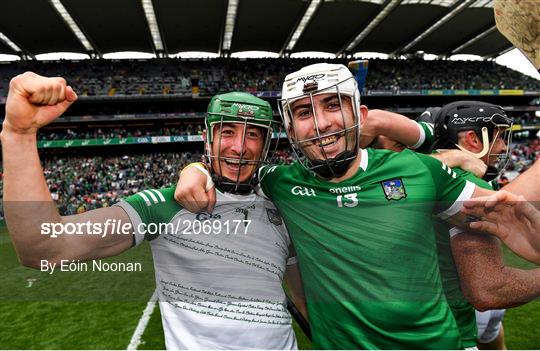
<point x="135" y="221"/>
<point x="426" y="132"/>
<point x="364" y="159"/>
<point x="449" y="170"/>
<point x="465" y="195"/>
<point x="421" y="139"/>
<point x="151" y="196"/>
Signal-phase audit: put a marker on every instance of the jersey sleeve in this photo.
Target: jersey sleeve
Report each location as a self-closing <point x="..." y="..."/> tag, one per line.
<point x="450" y="189"/>
<point x="476" y="181"/>
<point x="149" y="206"/>
<point x="268" y="178"/>
<point x="473" y="179"/>
<point x="426" y="125"/>
<point x="426" y="136"/>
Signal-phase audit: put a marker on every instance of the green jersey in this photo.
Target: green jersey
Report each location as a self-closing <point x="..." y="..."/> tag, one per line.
<point x="461" y="308"/>
<point x="367" y="251"/>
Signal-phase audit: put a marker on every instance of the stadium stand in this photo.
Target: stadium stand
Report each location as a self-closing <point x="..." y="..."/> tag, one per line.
<point x="212" y="76"/>
<point x="82" y="183"/>
<point x="118" y="132"/>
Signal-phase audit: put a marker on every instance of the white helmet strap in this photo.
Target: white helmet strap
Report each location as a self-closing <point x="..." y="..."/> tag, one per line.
<point x="485" y="146"/>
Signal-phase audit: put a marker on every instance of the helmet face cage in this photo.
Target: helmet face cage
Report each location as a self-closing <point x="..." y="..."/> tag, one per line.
<point x="235" y="185"/>
<point x="502" y="126"/>
<point x="298" y="145"/>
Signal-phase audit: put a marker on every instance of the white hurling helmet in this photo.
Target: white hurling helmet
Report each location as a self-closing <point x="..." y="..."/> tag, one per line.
<point x="317" y="79"/>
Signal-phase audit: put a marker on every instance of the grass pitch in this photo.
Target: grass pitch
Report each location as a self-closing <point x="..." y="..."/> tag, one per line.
<point x="100" y="310"/>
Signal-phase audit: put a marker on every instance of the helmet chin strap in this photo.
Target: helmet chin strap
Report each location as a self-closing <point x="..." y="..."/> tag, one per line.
<point x="334" y="167"/>
<point x="485" y="147"/>
<point x="229" y="186"/>
<point x="491" y="173"/>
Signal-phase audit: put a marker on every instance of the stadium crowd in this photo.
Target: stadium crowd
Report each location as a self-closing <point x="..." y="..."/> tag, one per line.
<point x="79" y="184"/>
<point x="117" y="132"/>
<point x="522" y="156"/>
<point x="212" y="76"/>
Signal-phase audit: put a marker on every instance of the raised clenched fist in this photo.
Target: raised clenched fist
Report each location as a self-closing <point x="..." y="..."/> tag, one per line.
<point x="34" y="101"/>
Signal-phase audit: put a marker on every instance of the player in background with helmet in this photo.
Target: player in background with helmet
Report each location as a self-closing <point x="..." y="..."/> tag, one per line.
<point x="392" y="131"/>
<point x="221" y="290"/>
<point x="510" y="217"/>
<point x="473" y="127"/>
<point x="360" y="221"/>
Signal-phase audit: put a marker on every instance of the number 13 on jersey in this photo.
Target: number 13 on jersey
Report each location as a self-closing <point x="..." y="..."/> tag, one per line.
<point x="347" y="200"/>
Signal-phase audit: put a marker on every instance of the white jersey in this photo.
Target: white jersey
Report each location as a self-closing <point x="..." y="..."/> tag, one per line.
<point x="218" y="276"/>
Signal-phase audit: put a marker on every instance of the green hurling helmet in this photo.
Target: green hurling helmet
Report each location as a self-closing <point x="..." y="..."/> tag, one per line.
<point x="238" y="107"/>
<point x="241" y="108"/>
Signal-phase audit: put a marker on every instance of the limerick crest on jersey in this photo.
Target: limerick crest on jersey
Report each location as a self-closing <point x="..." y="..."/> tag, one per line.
<point x="394" y="189"/>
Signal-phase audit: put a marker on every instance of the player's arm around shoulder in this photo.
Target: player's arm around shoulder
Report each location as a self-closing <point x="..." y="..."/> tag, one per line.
<point x="457" y="158"/>
<point x="195" y="189"/>
<point x="391" y="125"/>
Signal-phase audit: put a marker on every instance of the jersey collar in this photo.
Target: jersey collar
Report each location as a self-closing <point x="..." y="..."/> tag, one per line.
<point x="236" y="197"/>
<point x="363" y="159"/>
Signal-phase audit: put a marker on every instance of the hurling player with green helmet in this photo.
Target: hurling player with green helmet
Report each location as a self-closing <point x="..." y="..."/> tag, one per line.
<point x="237" y="271"/>
<point x="218" y="276"/>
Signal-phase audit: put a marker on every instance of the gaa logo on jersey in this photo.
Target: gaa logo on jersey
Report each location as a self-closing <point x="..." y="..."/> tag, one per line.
<point x="303" y="191"/>
<point x="394" y="189"/>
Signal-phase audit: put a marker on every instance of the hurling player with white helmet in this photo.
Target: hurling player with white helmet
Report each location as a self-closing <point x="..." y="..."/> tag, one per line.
<point x="360" y="220"/>
<point x="218" y="277"/>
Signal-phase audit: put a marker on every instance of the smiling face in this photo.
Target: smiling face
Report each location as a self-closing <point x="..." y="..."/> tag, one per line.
<point x="235" y="156"/>
<point x="323" y="126"/>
